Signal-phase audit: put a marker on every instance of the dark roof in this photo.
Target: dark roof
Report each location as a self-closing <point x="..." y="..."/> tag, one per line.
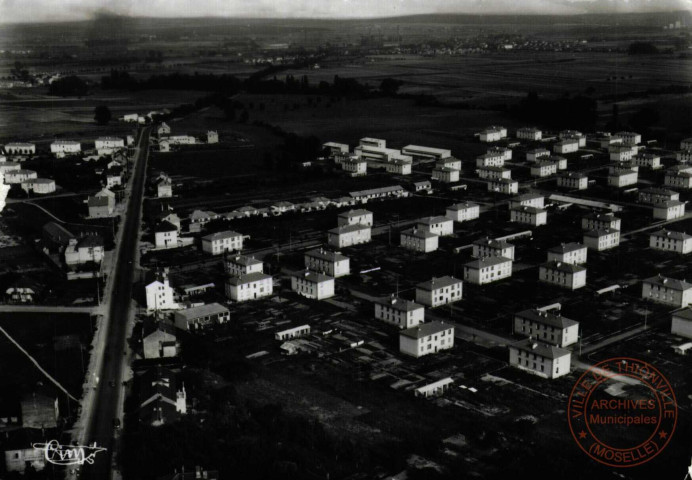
<point x="98" y="201"/>
<point x="492" y="243"/>
<point x="540" y="349"/>
<point x="166" y="227"/>
<point x="90" y="241"/>
<point x="486" y="262"/>
<point x="57" y="232"/>
<point x="249" y="278"/>
<point x="685" y="314"/>
<point x="567" y="247"/>
<point x="671" y="283"/>
<point x="563" y="267"/>
<point x="546" y="318"/>
<point x="426" y="329"/>
<point x="439" y="282"/>
<point x="400" y="304"/>
<point x="671" y="234"/>
<point x="312" y="276"/>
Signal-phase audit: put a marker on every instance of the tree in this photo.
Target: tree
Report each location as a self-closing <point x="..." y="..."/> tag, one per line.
<point x="68" y="86"/>
<point x="102" y="115"/>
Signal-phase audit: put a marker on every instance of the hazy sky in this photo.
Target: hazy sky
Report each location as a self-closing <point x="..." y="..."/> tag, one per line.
<point x="12" y="11"/>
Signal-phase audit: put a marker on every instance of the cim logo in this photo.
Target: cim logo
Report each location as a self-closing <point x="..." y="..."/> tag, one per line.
<point x="68" y="454"/>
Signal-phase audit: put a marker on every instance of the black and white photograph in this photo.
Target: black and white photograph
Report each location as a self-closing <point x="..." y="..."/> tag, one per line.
<point x="345" y="240"/>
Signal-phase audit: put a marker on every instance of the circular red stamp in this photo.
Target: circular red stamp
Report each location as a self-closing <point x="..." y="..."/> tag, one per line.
<point x="622" y="412"/>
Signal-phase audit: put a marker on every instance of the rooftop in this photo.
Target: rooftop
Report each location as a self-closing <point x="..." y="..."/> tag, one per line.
<point x="540" y="349"/>
<point x="249" y="278"/>
<point x="418" y="233"/>
<point x="221" y="235"/>
<point x="486" y="262"/>
<point x="599" y="232"/>
<point x="491" y="242"/>
<point x="202" y="311"/>
<point x="243" y="260"/>
<point x="439" y="282"/>
<point x="312" y="276"/>
<point x="671" y="234"/>
<point x="563" y="267"/>
<point x="355" y="213"/>
<point x="356" y="227"/>
<point x="462" y="206"/>
<point x="400" y="304"/>
<point x="432" y="220"/>
<point x="567" y="247"/>
<point x="426" y="329"/>
<point x="166" y="227"/>
<point x="546" y="318"/>
<point x="666" y="282"/>
<point x="328" y="255"/>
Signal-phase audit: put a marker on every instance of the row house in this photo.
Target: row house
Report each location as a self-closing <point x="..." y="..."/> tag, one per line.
<point x="419" y="240"/>
<point x="602" y="239"/>
<point x="669" y="210"/>
<point x="546" y="361"/>
<point x="312" y="285"/>
<point x="349" y="235"/>
<point x="597" y="221"/>
<point x="573" y="181"/>
<point x="487" y="270"/>
<point x="439" y="291"/>
<point x="536" y="154"/>
<point x="462" y="212"/>
<point x="667" y="291"/>
<point x="108" y="145"/>
<point x="565" y="275"/>
<point x="573" y="253"/>
<point x="668" y="240"/>
<point x="529" y="216"/>
<point x="237" y="265"/>
<point x="657" y="195"/>
<point x="333" y="264"/>
<point x="439" y="225"/>
<point x="220" y="242"/>
<point x="529" y="133"/>
<point x="20" y="148"/>
<point x="291" y="333"/>
<point x="426" y="338"/>
<point x="493" y="172"/>
<point x="445" y="174"/>
<point x="399" y="312"/>
<point x="550" y="328"/>
<point x="647" y="160"/>
<point x="622" y="177"/>
<point x="567" y="145"/>
<point x="527" y="200"/>
<point x="678" y="180"/>
<point x="18" y="176"/>
<point x="488" y="247"/>
<point x="249" y="287"/>
<point x="543" y="169"/>
<point x="503" y="185"/>
<point x="355" y="217"/>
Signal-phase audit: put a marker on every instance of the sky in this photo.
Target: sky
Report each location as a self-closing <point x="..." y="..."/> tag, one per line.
<point x="15" y="11"/>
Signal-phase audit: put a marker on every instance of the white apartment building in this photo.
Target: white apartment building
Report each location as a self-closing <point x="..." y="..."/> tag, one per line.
<point x="686" y="144"/>
<point x="536" y="154"/>
<point x="548" y="327"/>
<point x="20" y="148"/>
<point x="237" y="265"/>
<point x="572" y="253"/>
<point x="657" y="195"/>
<point x="399" y="167"/>
<point x="439" y="225"/>
<point x="166" y="235"/>
<point x="622" y="177"/>
<point x="218" y="243"/>
<point x="668" y="240"/>
<point x="621" y="153"/>
<point x="355" y="217"/>
<point x="108" y="145"/>
<point x="494" y="159"/>
<point x="505" y="152"/>
<point x="487" y="270"/>
<point x="648" y="160"/>
<point x="449" y="162"/>
<point x="445" y="174"/>
<point x="488" y="247"/>
<point x="60" y="148"/>
<point x="348" y="235"/>
<point x="601" y="239"/>
<point x="419" y="240"/>
<point x="678" y="180"/>
<point x="560" y="162"/>
<point x="461" y="212"/>
<point x="567" y="145"/>
<point x="573" y="135"/>
<point x="546" y="361"/>
<point x="399" y="312"/>
<point x="312" y="285"/>
<point x="684" y="156"/>
<point x="426" y="338"/>
<point x="419" y="152"/>
<point x="439" y="291"/>
<point x="88" y="249"/>
<point x="249" y="287"/>
<point x="19" y="176"/>
<point x="159" y="295"/>
<point x="493" y="172"/>
<point x="565" y="275"/>
<point x="667" y="291"/>
<point x="503" y="185"/>
<point x="573" y="180"/>
<point x="529" y="133"/>
<point x="543" y="169"/>
<point x="598" y="221"/>
<point x="527" y="200"/>
<point x="333" y="264"/>
<point x="630" y="138"/>
<point x="682" y="323"/>
<point x="529" y="216"/>
<point x="669" y="210"/>
<point x="355" y="167"/>
<point x="39" y="186"/>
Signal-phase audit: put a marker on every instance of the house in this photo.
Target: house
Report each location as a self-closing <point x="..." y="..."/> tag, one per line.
<point x="598" y="221"/>
<point x="667" y="291"/>
<point x="399" y="312"/>
<point x="333" y="147"/>
<point x="163" y="130"/>
<point x="19" y="176"/>
<point x="573" y="180"/>
<point x="355" y="167"/>
<point x="488" y="247"/>
<point x="161" y="401"/>
<point x="439" y="225"/>
<point x="573" y="135"/>
<point x="493" y="134"/>
<point x="529" y="133"/>
<point x="39" y="410"/>
<point x="602" y="239"/>
<point x="164" y="188"/>
<point x="108" y="145"/>
<point x="686" y="144"/>
<point x="88" y="249"/>
<point x="161" y="342"/>
<point x="333" y="264"/>
<point x="114" y="177"/>
<point x="23" y="291"/>
<point x="159" y="295"/>
<point x="527" y="200"/>
<point x="20" y="453"/>
<point x="621" y="153"/>
<point x="312" y="285"/>
<point x="419" y="240"/>
<point x="490" y="160"/>
<point x="573" y="253"/>
<point x="540" y="359"/>
<point x="61" y="148"/>
<point x="462" y="212"/>
<point x="504" y="152"/>
<point x="681" y="324"/>
<point x="657" y="195"/>
<point x="622" y="177"/>
<point x="348" y="235"/>
<point x="543" y="169"/>
<point x="220" y="242"/>
<point x="439" y="291"/>
<point x="449" y="162"/>
<point x="536" y="154"/>
<point x="529" y="215"/>
<point x="547" y="327"/>
<point x="487" y="270"/>
<point x="201" y="317"/>
<point x="668" y="240"/>
<point x="212" y="136"/>
<point x="648" y="160"/>
<point x="237" y="265"/>
<point x="678" y="179"/>
<point x="568" y="145"/>
<point x="295" y="332"/>
<point x="166" y="235"/>
<point x="424" y="186"/>
<point x="282" y="207"/>
<point x="503" y="185"/>
<point x="434" y="389"/>
<point x="493" y="172"/>
<point x="419" y="152"/>
<point x="559" y="162"/>
<point x="669" y="210"/>
<point x="445" y="174"/>
<point x="630" y="138"/>
<point x="201" y="217"/>
<point x="39" y="186"/>
<point x="9" y="167"/>
<point x="249" y="287"/>
<point x="399" y="167"/>
<point x="373" y="142"/>
<point x="426" y="338"/>
<point x="355" y="217"/>
<point x="684" y="156"/>
<point x="20" y="148"/>
<point x="564" y="275"/>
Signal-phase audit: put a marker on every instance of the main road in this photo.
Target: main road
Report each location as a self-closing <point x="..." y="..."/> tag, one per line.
<point x="105" y="403"/>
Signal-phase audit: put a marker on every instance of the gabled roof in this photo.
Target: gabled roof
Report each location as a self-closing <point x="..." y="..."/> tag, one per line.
<point x="221" y="235"/>
<point x="348" y="228"/>
<point x="567" y="247"/>
<point x="546" y="318"/>
<point x="249" y="278"/>
<point x="98" y="201"/>
<point x="486" y="262"/>
<point x="355" y="213"/>
<point x="492" y="243"/>
<point x="423" y="330"/>
<point x="563" y="267"/>
<point x="540" y="349"/>
<point x="165" y="227"/>
<point x="243" y="260"/>
<point x="400" y="304"/>
<point x="433" y="220"/>
<point x="671" y="234"/>
<point x="600" y="232"/>
<point x="328" y="255"/>
<point x="202" y="310"/>
<point x="418" y="233"/>
<point x="667" y="282"/>
<point x="462" y="206"/>
<point x="311" y="276"/>
<point x="439" y="282"/>
<point x="90" y="241"/>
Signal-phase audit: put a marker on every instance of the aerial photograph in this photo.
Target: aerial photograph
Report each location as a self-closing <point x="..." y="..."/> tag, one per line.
<point x="345" y="240"/>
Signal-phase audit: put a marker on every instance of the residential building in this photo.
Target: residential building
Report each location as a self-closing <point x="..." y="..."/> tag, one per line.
<point x="56" y="237"/>
<point x="355" y="217"/>
<point x="598" y="221"/>
<point x="439" y="225"/>
<point x="503" y="185"/>
<point x="237" y="265"/>
<point x="648" y="160"/>
<point x="291" y="333"/>
<point x="419" y="152"/>
<point x="399" y="312"/>
<point x="547" y="327"/>
<point x="668" y="240"/>
<point x="373" y="142"/>
<point x="88" y="249"/>
<point x="608" y="140"/>
<point x="493" y="172"/>
<point x="527" y="200"/>
<point x="573" y="135"/>
<point x="399" y="167"/>
<point x="601" y="239"/>
<point x="61" y="148"/>
<point x="349" y="235"/>
<point x="114" y="177"/>
<point x="108" y="145"/>
<point x="546" y="361"/>
<point x="161" y="401"/>
<point x="19" y="176"/>
<point x="669" y="210"/>
<point x="622" y="177"/>
<point x="504" y="152"/>
<point x="667" y="291"/>
<point x="529" y="215"/>
<point x="334" y="147"/>
<point x="163" y="130"/>
<point x="462" y="212"/>
<point x="543" y="169"/>
<point x="657" y="195"/>
<point x="536" y="154"/>
<point x="426" y="338"/>
<point x="529" y="133"/>
<point x="488" y="247"/>
<point x="439" y="291"/>
<point x="249" y="287"/>
<point x="565" y="275"/>
<point x="621" y="153"/>
<point x="164" y="188"/>
<point x="494" y="159"/>
<point x="20" y="148"/>
<point x="355" y="167"/>
<point x="487" y="270"/>
<point x="682" y="323"/>
<point x="333" y="264"/>
<point x="449" y="162"/>
<point x="630" y="138"/>
<point x="161" y="342"/>
<point x="39" y="186"/>
<point x="573" y="181"/>
<point x="572" y="253"/>
<point x="445" y="174"/>
<point x="382" y="192"/>
<point x="20" y="453"/>
<point x="568" y="145"/>
<point x="220" y="242"/>
<point x="102" y="204"/>
<point x="686" y="144"/>
<point x="493" y="134"/>
<point x="678" y="179"/>
<point x="212" y="136"/>
<point x="201" y="317"/>
<point x="424" y="186"/>
<point x="9" y="166"/>
<point x="159" y="295"/>
<point x="166" y="235"/>
<point x="419" y="240"/>
<point x="684" y="156"/>
<point x="282" y="207"/>
<point x="312" y="285"/>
